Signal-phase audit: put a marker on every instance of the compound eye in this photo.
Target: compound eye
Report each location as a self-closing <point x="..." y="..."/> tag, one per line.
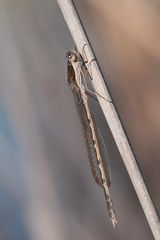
<point x="69" y="54"/>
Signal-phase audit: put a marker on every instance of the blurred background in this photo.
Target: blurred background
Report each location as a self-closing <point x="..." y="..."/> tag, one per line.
<point x="46" y="187"/>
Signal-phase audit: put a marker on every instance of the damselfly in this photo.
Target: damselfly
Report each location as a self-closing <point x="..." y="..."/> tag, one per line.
<point x="97" y="153"/>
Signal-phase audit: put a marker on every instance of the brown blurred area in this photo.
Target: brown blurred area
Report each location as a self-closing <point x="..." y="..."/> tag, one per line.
<point x="46" y="187"/>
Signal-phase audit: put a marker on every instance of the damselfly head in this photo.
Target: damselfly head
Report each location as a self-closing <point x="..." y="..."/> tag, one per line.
<point x="71" y="56"/>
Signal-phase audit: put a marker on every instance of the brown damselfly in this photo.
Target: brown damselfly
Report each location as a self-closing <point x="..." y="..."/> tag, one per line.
<point x="97" y="153"/>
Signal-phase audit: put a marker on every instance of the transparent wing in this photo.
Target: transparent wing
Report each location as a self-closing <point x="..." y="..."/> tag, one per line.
<point x="81" y="108"/>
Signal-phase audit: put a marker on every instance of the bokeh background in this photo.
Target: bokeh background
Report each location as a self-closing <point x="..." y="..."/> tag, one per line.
<point x="46" y="187"/>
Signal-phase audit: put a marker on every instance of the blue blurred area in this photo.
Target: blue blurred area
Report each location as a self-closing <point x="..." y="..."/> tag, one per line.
<point x="12" y="224"/>
<point x="6" y="131"/>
